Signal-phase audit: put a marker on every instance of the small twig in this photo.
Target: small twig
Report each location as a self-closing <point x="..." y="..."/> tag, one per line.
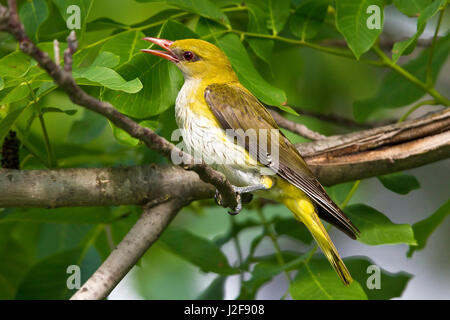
<point x="56" y="52"/>
<point x="337" y="119"/>
<point x="295" y="127"/>
<point x="72" y="45"/>
<point x="340" y="120"/>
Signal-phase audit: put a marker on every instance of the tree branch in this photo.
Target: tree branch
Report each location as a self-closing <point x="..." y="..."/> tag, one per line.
<point x="340" y="120"/>
<point x="142" y="235"/>
<point x="295" y="127"/>
<point x="382" y="150"/>
<point x="334" y="160"/>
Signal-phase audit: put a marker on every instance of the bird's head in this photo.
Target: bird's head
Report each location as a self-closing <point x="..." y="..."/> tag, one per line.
<point x="197" y="59"/>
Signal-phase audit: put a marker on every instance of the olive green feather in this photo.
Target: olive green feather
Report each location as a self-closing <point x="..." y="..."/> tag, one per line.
<point x="236" y="108"/>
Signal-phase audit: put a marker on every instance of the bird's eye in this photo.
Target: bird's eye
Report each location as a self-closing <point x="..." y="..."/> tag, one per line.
<point x="188" y="56"/>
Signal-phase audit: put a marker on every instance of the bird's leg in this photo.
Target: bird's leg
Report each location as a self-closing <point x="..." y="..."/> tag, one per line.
<point x="248" y="189"/>
<point x="244" y="195"/>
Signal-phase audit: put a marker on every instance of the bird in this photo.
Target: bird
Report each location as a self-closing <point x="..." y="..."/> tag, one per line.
<point x="229" y="128"/>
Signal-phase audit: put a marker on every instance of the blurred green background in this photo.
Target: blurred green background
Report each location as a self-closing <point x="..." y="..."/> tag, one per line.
<point x="312" y="80"/>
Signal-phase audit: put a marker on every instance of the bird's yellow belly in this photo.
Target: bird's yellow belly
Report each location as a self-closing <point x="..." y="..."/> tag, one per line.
<point x="204" y="139"/>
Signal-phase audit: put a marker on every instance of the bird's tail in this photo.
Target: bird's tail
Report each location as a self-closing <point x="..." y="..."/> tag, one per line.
<point x="305" y="211"/>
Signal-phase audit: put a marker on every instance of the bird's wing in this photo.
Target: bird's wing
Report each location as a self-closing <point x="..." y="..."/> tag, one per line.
<point x="236" y="108"/>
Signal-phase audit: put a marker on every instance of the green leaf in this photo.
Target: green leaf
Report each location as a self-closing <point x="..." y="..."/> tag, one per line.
<point x="7" y="122"/>
<point x="15" y="65"/>
<point x="69" y="112"/>
<point x="106" y="59"/>
<point x="17" y="251"/>
<point x="262" y="273"/>
<point x="59" y="215"/>
<point x="278" y="15"/>
<point x="227" y="3"/>
<point x="87" y="128"/>
<point x="308" y="18"/>
<point x="32" y="14"/>
<point x="54" y="27"/>
<point x="198" y="251"/>
<point x="124" y="138"/>
<point x="48" y="278"/>
<point x="161" y="79"/>
<point x="376" y="228"/>
<point x="288" y="110"/>
<point x="292" y="228"/>
<point x="16" y="94"/>
<point x="2" y="83"/>
<point x="204" y="8"/>
<point x="100" y="72"/>
<point x="412" y="8"/>
<point x="45" y="88"/>
<point x="399" y="182"/>
<point x="257" y="23"/>
<point x="392" y="285"/>
<point x="125" y="45"/>
<point x="407" y="46"/>
<point x="352" y="22"/>
<point x="318" y="281"/>
<point x="215" y="290"/>
<point x="423" y="229"/>
<point x="396" y="91"/>
<point x="265" y="271"/>
<point x="104" y="24"/>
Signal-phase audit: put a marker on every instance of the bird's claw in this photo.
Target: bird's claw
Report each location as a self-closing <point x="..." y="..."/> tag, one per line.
<point x="243" y="195"/>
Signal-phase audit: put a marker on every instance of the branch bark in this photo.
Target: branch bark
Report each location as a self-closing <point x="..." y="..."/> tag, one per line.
<point x="334" y="160"/>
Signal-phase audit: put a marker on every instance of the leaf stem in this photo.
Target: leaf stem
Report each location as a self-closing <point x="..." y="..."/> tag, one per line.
<point x="350" y="194"/>
<point x="51" y="156"/>
<point x="330" y="50"/>
<point x="431" y="91"/>
<point x="237" y="246"/>
<point x="415" y="107"/>
<point x="273" y="238"/>
<point x="429" y="81"/>
<point x="155" y="24"/>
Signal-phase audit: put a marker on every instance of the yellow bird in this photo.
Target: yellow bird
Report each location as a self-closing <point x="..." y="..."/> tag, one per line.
<point x="214" y="110"/>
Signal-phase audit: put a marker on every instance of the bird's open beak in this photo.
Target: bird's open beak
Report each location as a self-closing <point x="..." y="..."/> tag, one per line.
<point x="163" y="43"/>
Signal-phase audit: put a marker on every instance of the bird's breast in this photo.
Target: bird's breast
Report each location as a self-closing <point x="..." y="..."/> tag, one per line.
<point x="204" y="138"/>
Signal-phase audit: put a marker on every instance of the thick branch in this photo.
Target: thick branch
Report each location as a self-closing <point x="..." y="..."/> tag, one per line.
<point x="144" y="233"/>
<point x="336" y="159"/>
<point x="381" y="150"/>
